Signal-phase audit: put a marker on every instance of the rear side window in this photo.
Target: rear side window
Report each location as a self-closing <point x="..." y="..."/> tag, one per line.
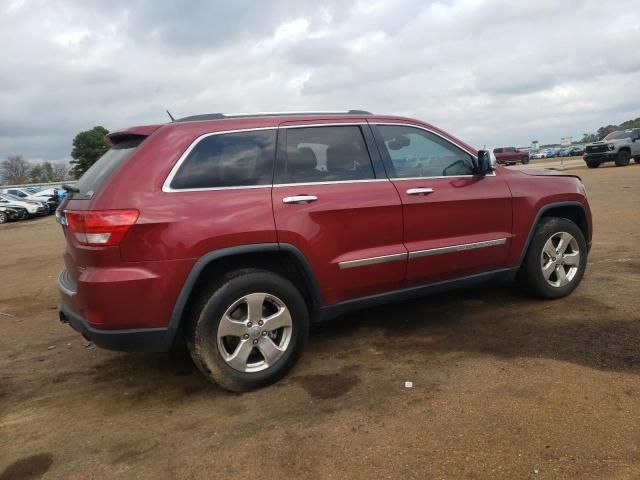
<point x="100" y="171"/>
<point x="228" y="160"/>
<point x="324" y="154"/>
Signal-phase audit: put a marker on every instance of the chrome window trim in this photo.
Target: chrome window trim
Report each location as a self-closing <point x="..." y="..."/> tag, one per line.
<point x="456" y="248"/>
<point x="361" y="262"/>
<point x="333" y="182"/>
<point x="420" y="127"/>
<point x="166" y="186"/>
<point x="332" y="124"/>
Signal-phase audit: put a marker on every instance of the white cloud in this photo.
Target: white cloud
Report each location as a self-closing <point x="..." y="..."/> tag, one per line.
<point x="489" y="71"/>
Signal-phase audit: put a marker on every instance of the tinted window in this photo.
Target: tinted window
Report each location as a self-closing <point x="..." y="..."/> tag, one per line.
<point x="497" y="150"/>
<point x="417" y="153"/>
<point x="325" y="154"/>
<point x="100" y="171"/>
<point x="229" y="160"/>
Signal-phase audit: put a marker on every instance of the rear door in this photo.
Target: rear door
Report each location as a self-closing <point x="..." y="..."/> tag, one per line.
<point x="337" y="206"/>
<point x="455" y="223"/>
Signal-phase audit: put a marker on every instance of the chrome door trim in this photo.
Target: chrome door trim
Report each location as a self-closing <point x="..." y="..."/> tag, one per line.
<point x="456" y="248"/>
<point x="361" y="262"/>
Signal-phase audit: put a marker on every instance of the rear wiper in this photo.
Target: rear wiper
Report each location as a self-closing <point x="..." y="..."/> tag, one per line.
<point x="70" y="189"/>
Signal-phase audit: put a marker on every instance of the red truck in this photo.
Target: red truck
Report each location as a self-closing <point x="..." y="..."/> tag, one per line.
<point x="510" y="156"/>
<point x="233" y="234"/>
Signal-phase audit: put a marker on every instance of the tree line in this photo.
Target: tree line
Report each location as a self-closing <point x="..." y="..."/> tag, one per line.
<point x="604" y="131"/>
<point x="88" y="147"/>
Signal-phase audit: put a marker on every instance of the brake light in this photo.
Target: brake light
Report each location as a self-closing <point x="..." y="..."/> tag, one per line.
<point x="100" y="227"/>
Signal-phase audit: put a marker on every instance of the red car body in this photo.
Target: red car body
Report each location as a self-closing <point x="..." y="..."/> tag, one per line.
<point x="361" y="243"/>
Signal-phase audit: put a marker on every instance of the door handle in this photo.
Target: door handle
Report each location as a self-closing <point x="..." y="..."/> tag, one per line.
<point x="419" y="191"/>
<point x="300" y="199"/>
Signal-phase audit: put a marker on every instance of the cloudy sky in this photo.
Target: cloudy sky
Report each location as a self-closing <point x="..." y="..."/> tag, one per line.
<point x="495" y="72"/>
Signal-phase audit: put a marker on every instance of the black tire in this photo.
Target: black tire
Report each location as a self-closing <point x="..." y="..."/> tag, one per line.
<point x="593" y="163"/>
<point x="202" y="330"/>
<point x="623" y="158"/>
<point x="3" y="217"/>
<point x="531" y="275"/>
<point x="525" y="160"/>
<point x="637" y="159"/>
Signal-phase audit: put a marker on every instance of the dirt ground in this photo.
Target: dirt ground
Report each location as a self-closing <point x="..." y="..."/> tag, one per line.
<point x="504" y="386"/>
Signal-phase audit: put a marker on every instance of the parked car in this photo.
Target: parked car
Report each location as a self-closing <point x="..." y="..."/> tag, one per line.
<point x="538" y="154"/>
<point x="30" y="193"/>
<point x="619" y="147"/>
<point x="202" y="230"/>
<point x="11" y="212"/>
<point x="33" y="207"/>
<point x="551" y="153"/>
<point x="510" y="156"/>
<point x="572" y="151"/>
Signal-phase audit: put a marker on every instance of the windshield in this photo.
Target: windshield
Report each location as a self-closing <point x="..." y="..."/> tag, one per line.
<point x="618" y="135"/>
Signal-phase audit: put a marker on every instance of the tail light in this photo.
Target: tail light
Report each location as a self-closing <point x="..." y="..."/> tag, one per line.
<point x="100" y="227"/>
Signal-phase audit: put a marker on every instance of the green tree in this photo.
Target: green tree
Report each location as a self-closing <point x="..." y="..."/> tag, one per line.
<point x="88" y="147"/>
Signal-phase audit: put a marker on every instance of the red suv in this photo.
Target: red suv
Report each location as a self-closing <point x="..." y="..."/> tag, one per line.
<point x="234" y="233"/>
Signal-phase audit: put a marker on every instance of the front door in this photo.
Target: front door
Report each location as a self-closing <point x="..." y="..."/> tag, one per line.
<point x="329" y="203"/>
<point x="455" y="223"/>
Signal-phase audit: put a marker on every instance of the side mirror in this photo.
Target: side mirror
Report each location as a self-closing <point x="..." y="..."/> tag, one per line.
<point x="485" y="165"/>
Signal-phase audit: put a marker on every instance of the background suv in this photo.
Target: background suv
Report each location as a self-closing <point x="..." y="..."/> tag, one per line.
<point x="235" y="232"/>
<point x="619" y="147"/>
<point x="510" y="156"/>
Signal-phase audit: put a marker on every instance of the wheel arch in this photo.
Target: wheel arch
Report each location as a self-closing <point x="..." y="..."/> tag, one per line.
<point x="283" y="259"/>
<point x="573" y="211"/>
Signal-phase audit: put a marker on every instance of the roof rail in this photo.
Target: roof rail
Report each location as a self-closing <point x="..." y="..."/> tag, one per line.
<point x="221" y="116"/>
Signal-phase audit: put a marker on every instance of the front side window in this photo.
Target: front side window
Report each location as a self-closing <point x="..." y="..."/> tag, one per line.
<point x="414" y="152"/>
<point x="325" y="154"/>
<point x="229" y="160"/>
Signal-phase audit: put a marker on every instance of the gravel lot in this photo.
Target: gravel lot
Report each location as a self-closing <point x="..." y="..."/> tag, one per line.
<point x="504" y="386"/>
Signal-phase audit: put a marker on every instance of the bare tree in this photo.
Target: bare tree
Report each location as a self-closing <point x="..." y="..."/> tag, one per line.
<point x="59" y="172"/>
<point x="15" y="170"/>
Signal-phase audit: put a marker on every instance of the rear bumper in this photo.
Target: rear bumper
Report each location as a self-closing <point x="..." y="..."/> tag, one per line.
<point x="158" y="339"/>
<point x="134" y="340"/>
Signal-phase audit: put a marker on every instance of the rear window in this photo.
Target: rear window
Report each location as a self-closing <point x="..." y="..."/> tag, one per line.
<point x="228" y="160"/>
<point x="99" y="172"/>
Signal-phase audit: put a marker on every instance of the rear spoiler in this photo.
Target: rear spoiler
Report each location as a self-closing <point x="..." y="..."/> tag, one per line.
<point x="128" y="133"/>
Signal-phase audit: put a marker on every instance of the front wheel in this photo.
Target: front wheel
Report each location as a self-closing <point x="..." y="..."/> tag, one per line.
<point x="525" y="160"/>
<point x="556" y="259"/>
<point x="623" y="158"/>
<point x="593" y="163"/>
<point x="3" y="217"/>
<point x="248" y="329"/>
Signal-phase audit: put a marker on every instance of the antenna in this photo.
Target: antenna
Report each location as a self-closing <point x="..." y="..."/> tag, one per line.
<point x="171" y="116"/>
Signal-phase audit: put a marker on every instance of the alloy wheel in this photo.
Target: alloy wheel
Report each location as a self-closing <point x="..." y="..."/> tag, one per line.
<point x="254" y="332"/>
<point x="560" y="259"/>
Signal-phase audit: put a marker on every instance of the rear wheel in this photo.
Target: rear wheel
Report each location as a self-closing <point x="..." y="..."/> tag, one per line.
<point x="248" y="329"/>
<point x="556" y="259"/>
<point x="623" y="158"/>
<point x="593" y="163"/>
